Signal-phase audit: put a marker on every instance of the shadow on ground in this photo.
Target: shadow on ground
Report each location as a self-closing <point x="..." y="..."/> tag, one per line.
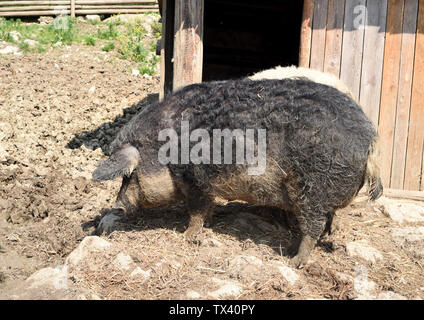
<point x="269" y="226"/>
<point x="103" y="135"/>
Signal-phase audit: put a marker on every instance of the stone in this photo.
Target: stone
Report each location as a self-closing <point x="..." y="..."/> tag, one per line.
<point x="410" y="234"/>
<point x="15" y="35"/>
<point x="31" y="43"/>
<point x="140" y="272"/>
<point x="87" y="246"/>
<point x="363" y="250"/>
<point x="123" y="261"/>
<point x="92" y="17"/>
<point x="243" y="266"/>
<point x="56" y="278"/>
<point x="45" y="20"/>
<point x="191" y="294"/>
<point x="10" y="49"/>
<point x="227" y="289"/>
<point x="403" y="211"/>
<point x="287" y="272"/>
<point x="389" y="295"/>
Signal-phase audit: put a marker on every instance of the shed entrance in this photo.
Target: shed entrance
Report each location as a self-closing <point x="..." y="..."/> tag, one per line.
<point x="245" y="36"/>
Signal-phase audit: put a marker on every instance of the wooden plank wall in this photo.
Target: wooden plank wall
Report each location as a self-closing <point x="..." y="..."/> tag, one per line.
<point x="382" y="62"/>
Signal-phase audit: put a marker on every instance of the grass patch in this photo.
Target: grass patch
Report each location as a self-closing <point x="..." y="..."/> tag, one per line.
<point x="131" y="40"/>
<point x="90" y="41"/>
<point x="108" y="47"/>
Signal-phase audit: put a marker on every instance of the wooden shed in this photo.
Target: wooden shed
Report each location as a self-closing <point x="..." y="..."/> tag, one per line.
<point x="375" y="46"/>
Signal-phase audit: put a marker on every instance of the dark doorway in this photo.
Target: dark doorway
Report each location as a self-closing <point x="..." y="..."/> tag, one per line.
<point x="245" y="36"/>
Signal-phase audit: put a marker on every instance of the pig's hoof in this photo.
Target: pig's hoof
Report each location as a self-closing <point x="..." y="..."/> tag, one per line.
<point x="107" y="224"/>
<point x="190" y="235"/>
<point x="299" y="261"/>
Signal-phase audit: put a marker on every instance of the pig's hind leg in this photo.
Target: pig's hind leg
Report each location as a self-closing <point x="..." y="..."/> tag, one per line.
<point x="312" y="224"/>
<point x="200" y="208"/>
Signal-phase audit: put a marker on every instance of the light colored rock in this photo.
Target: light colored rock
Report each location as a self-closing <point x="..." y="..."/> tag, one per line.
<point x="135" y="72"/>
<point x="45" y="20"/>
<point x="92" y="17"/>
<point x="227" y="289"/>
<point x="91" y="90"/>
<point x="30" y="42"/>
<point x="191" y="294"/>
<point x="56" y="278"/>
<point x="363" y="250"/>
<point x="212" y="242"/>
<point x="389" y="295"/>
<point x="107" y="224"/>
<point x="15" y="35"/>
<point x="403" y="211"/>
<point x="87" y="246"/>
<point x="10" y="49"/>
<point x="363" y="287"/>
<point x="288" y="273"/>
<point x="57" y="44"/>
<point x="140" y="272"/>
<point x="410" y="234"/>
<point x="244" y="266"/>
<point x="123" y="261"/>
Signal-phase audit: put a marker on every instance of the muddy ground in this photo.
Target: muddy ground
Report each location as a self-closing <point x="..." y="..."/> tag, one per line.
<point x="58" y="113"/>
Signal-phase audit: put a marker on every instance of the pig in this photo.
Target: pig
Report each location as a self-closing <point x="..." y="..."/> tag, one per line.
<point x="293" y="72"/>
<point x="320" y="150"/>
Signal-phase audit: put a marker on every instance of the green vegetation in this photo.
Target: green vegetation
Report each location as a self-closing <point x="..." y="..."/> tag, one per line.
<point x="108" y="47"/>
<point x="128" y="41"/>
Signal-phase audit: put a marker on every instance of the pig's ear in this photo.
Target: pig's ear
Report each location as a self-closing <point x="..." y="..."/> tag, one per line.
<point x="121" y="162"/>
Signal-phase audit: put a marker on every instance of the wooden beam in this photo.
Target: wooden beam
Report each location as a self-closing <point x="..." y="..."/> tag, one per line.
<point x="404" y="94"/>
<point x="334" y="38"/>
<point x="389" y="90"/>
<point x="306" y="33"/>
<point x="416" y="123"/>
<point x="373" y="57"/>
<point x="188" y="43"/>
<point x="319" y="31"/>
<point x="73" y="8"/>
<point x="404" y="194"/>
<point x="167" y="48"/>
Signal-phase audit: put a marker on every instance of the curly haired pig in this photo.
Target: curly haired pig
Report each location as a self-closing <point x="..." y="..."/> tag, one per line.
<point x="320" y="150"/>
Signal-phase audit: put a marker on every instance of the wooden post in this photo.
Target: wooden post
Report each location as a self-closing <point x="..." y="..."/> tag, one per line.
<point x="73" y="8"/>
<point x="188" y="42"/>
<point x="306" y="34"/>
<point x="167" y="48"/>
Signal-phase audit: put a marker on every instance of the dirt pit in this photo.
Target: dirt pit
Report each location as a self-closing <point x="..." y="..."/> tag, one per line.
<point x="59" y="112"/>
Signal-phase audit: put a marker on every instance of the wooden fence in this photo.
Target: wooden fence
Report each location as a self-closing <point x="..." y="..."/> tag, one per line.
<point x="383" y="64"/>
<point x="74" y="7"/>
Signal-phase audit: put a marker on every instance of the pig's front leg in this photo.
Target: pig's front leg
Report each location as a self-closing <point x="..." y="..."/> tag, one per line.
<point x="200" y="209"/>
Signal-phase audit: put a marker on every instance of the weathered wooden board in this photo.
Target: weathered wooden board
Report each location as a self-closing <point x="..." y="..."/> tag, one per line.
<point x="306" y="34"/>
<point x="389" y="89"/>
<point x="319" y="32"/>
<point x="416" y="125"/>
<point x="404" y="94"/>
<point x="353" y="40"/>
<point x="167" y="48"/>
<point x="334" y="38"/>
<point x="373" y="57"/>
<point x="404" y="194"/>
<point x="188" y="42"/>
